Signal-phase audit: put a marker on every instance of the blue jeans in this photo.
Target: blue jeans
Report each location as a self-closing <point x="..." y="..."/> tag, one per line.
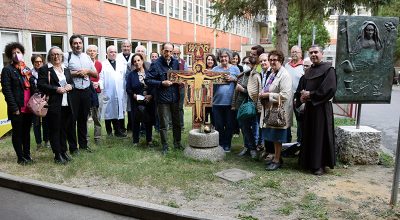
<point x="249" y="128"/>
<point x="223" y="122"/>
<point x="257" y="130"/>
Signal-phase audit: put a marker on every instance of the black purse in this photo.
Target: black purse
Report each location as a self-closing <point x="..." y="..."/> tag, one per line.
<point x="142" y="113"/>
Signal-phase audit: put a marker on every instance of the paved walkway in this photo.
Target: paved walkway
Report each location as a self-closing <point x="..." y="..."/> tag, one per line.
<point x="16" y="205"/>
<point x="385" y="118"/>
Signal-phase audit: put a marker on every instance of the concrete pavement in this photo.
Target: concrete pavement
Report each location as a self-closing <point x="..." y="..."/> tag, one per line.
<point x="385" y="118"/>
<point x="108" y="203"/>
<point x="16" y="205"/>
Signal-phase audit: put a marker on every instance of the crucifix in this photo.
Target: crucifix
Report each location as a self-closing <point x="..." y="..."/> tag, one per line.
<point x="198" y="82"/>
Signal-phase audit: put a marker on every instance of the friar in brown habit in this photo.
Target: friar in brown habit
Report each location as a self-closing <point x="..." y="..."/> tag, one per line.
<point x="316" y="89"/>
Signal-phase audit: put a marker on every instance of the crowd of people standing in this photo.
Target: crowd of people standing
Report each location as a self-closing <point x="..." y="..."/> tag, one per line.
<point x="125" y="84"/>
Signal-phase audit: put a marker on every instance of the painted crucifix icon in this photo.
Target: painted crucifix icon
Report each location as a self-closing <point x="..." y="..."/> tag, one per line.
<point x="198" y="83"/>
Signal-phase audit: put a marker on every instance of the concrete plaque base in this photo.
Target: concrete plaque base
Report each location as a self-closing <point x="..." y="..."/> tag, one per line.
<point x="358" y="146"/>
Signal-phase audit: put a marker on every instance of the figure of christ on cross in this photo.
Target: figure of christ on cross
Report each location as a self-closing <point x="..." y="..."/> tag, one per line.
<point x="198" y="76"/>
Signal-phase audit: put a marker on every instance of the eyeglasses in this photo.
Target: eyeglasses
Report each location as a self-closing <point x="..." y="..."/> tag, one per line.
<point x="38" y="61"/>
<point x="56" y="54"/>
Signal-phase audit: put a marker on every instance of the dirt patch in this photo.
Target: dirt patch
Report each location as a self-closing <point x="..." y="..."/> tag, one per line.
<point x="358" y="192"/>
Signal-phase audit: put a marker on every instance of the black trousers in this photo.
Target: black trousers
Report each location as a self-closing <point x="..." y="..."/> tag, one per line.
<point x="21" y="127"/>
<point x="38" y="124"/>
<point x="115" y="124"/>
<point x="81" y="103"/>
<point x="61" y="127"/>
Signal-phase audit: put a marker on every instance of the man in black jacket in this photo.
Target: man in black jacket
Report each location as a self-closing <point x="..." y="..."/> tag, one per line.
<point x="167" y="95"/>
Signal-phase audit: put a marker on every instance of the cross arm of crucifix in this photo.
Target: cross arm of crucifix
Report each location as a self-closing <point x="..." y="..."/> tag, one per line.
<point x="217" y="77"/>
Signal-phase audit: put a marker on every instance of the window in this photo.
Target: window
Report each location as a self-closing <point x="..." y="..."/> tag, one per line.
<point x="109" y="43"/>
<point x="144" y="44"/>
<point x="119" y="46"/>
<point x="134" y="45"/>
<point x="140" y="4"/>
<point x="39" y="45"/>
<point x="57" y="41"/>
<point x="157" y="6"/>
<point x="187" y="10"/>
<point x="208" y="13"/>
<point x="154" y="47"/>
<point x="120" y="2"/>
<point x="93" y="41"/>
<point x="199" y="12"/>
<point x="5" y="38"/>
<point x="174" y="8"/>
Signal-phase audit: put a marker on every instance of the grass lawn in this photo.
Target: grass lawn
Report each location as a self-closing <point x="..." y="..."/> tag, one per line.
<point x="117" y="168"/>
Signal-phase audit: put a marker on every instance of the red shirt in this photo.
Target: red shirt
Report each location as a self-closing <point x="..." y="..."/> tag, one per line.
<point x="98" y="67"/>
<point x="27" y="95"/>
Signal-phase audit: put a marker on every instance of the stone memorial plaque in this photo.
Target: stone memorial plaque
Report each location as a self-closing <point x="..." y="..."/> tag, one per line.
<point x="364" y="59"/>
<point x="235" y="175"/>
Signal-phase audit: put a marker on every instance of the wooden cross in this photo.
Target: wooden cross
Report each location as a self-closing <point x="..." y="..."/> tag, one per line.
<point x="198" y="83"/>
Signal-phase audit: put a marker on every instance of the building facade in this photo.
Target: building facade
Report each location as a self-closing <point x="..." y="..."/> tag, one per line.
<point x="41" y="24"/>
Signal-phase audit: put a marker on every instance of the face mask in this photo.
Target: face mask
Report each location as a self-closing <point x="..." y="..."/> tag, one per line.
<point x="18" y="57"/>
<point x="246" y="68"/>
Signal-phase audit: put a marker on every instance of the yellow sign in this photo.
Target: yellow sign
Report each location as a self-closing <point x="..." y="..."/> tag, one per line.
<point x="5" y="124"/>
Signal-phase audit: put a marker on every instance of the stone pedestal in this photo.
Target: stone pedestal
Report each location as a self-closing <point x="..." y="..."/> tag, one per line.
<point x="358" y="146"/>
<point x="204" y="146"/>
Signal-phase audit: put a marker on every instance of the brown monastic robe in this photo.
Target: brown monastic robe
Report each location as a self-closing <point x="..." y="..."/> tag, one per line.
<point x="318" y="143"/>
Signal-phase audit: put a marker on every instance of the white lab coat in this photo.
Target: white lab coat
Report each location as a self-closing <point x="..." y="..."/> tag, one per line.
<point x="122" y="64"/>
<point x="112" y="84"/>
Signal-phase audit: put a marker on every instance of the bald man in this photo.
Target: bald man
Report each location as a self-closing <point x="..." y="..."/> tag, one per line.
<point x="296" y="71"/>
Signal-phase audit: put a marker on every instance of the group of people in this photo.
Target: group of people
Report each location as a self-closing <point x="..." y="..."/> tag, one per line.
<point x="77" y="85"/>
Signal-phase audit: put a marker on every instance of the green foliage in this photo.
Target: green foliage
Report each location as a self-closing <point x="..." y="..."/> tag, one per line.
<point x="246" y="217"/>
<point x="313" y="207"/>
<point x="386" y="160"/>
<point x="172" y="204"/>
<point x="227" y="11"/>
<point x="393" y="10"/>
<point x="287" y="209"/>
<point x="297" y="26"/>
<point x="344" y="121"/>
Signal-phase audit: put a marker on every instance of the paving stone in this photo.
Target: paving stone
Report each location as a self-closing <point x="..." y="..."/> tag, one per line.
<point x="235" y="175"/>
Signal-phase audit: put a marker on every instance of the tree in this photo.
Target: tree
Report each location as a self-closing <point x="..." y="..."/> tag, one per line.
<point x="304" y="28"/>
<point x="393" y="10"/>
<point x="321" y="36"/>
<point x="230" y="10"/>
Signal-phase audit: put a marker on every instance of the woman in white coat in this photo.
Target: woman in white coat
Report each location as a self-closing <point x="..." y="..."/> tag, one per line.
<point x="112" y="84"/>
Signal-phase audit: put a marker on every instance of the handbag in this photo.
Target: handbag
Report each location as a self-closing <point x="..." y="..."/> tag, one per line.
<point x="38" y="103"/>
<point x="246" y="110"/>
<point x="142" y="113"/>
<point x="275" y="115"/>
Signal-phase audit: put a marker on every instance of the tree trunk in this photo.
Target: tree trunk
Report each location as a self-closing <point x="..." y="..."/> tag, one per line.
<point x="282" y="29"/>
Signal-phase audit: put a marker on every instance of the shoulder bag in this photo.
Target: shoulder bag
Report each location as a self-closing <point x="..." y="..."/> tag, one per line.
<point x="275" y="115"/>
<point x="246" y="110"/>
<point x="37" y="103"/>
